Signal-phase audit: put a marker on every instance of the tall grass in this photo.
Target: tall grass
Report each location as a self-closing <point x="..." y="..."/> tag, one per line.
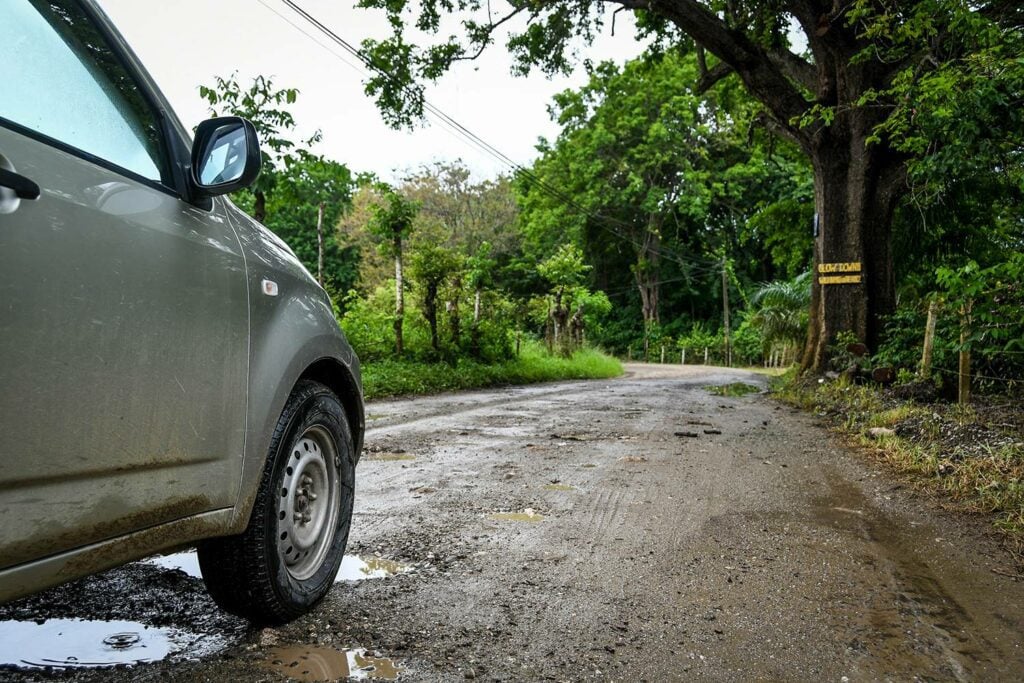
<point x="401" y="378"/>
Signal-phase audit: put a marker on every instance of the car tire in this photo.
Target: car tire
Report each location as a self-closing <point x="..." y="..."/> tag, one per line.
<point x="287" y="558"/>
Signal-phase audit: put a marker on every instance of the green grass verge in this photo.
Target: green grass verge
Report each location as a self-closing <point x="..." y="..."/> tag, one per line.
<point x="405" y="378"/>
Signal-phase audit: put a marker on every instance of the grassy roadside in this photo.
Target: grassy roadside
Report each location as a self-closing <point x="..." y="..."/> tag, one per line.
<point x="402" y="378"/>
<point x="972" y="457"/>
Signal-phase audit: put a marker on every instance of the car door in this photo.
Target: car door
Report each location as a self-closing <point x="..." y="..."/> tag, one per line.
<point x="123" y="309"/>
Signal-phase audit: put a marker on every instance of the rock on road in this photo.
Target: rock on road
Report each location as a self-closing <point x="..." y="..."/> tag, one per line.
<point x="658" y="532"/>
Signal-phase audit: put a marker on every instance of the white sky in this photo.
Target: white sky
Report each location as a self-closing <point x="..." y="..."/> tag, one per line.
<point x="186" y="43"/>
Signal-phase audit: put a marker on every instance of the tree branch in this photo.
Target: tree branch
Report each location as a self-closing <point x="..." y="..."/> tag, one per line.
<point x="772" y="126"/>
<point x="762" y="76"/>
<point x="796" y="69"/>
<point x="490" y="29"/>
<point x="711" y="76"/>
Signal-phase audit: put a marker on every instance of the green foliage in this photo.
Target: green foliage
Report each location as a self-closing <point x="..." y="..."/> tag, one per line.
<point x="265" y="107"/>
<point x="306" y="183"/>
<point x="663" y="177"/>
<point x="392" y="219"/>
<point x="748" y="343"/>
<point x="368" y="324"/>
<point x="781" y="310"/>
<point x="990" y="300"/>
<point x="294" y="182"/>
<point x="565" y="269"/>
<point x="701" y="337"/>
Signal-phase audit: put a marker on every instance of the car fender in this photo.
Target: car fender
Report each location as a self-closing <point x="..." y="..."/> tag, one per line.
<point x="293" y="336"/>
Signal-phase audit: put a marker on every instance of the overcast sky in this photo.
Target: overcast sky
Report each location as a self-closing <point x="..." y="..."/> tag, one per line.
<point x="186" y="43"/>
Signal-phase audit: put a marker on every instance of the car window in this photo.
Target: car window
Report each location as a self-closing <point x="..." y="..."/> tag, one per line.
<point x="61" y="79"/>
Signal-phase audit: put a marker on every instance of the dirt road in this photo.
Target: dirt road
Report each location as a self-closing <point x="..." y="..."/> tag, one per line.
<point x="635" y="529"/>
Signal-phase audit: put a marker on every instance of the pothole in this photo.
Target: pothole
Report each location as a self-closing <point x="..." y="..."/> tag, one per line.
<point x="734" y="389"/>
<point x="81" y="643"/>
<point x="303" y="663"/>
<point x="527" y="515"/>
<point x="356" y="568"/>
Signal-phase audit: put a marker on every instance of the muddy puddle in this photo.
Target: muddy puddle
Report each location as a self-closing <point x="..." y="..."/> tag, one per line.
<point x="187" y="562"/>
<point x="81" y="643"/>
<point x="559" y="487"/>
<point x="395" y="456"/>
<point x="355" y="568"/>
<point x="920" y="595"/>
<point x="326" y="664"/>
<point x="528" y="515"/>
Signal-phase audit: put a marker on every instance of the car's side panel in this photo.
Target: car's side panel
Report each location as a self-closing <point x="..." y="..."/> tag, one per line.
<point x="123" y="357"/>
<point x="291" y="331"/>
<point x="56" y="569"/>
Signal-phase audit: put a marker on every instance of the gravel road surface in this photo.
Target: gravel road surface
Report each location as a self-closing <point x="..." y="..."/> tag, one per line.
<point x="635" y="529"/>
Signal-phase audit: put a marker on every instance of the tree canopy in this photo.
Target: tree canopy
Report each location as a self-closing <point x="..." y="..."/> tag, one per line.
<point x="848" y="83"/>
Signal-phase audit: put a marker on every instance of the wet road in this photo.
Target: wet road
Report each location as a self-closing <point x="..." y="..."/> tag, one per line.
<point x="636" y="529"/>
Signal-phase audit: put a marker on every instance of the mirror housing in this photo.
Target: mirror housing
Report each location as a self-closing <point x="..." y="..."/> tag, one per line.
<point x="225" y="157"/>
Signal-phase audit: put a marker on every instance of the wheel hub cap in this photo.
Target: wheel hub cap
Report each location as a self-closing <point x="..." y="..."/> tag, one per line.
<point x="308" y="512"/>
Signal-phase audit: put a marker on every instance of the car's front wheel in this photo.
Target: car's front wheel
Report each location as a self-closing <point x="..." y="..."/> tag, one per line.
<point x="287" y="558"/>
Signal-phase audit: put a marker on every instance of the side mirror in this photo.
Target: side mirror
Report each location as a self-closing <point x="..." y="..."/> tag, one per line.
<point x="225" y="156"/>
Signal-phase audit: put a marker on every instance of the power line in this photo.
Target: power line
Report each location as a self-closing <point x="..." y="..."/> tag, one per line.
<point x="474" y="139"/>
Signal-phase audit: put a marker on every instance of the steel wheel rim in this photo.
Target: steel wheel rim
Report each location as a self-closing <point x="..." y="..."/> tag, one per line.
<point x="308" y="504"/>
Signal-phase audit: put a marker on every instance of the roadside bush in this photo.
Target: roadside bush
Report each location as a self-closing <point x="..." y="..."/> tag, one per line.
<point x="698" y="338"/>
<point x="995" y="298"/>
<point x="406" y="377"/>
<point x="748" y="344"/>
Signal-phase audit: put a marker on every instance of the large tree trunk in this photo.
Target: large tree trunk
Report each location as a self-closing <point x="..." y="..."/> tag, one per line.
<point x="856" y="188"/>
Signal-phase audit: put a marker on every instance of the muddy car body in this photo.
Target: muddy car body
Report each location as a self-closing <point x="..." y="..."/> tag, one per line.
<point x="164" y="359"/>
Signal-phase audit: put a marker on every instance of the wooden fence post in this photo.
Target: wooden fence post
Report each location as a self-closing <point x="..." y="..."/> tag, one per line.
<point x="929" y="340"/>
<point x="629" y="352"/>
<point x="682" y="357"/>
<point x="662" y="354"/>
<point x="705" y="355"/>
<point x="963" y="393"/>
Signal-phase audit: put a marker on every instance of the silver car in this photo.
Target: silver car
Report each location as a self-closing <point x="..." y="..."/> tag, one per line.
<point x="169" y="372"/>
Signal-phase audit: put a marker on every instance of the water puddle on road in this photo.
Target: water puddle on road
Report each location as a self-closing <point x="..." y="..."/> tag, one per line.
<point x="397" y="456"/>
<point x="526" y="515"/>
<point x="326" y="664"/>
<point x="355" y="568"/>
<point x="559" y="487"/>
<point x="80" y="643"/>
<point x="187" y="562"/>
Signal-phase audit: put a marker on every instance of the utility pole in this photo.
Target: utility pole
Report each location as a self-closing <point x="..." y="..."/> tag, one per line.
<point x="725" y="311"/>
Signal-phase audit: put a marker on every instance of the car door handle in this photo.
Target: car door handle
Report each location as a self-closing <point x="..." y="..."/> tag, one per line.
<point x="22" y="186"/>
